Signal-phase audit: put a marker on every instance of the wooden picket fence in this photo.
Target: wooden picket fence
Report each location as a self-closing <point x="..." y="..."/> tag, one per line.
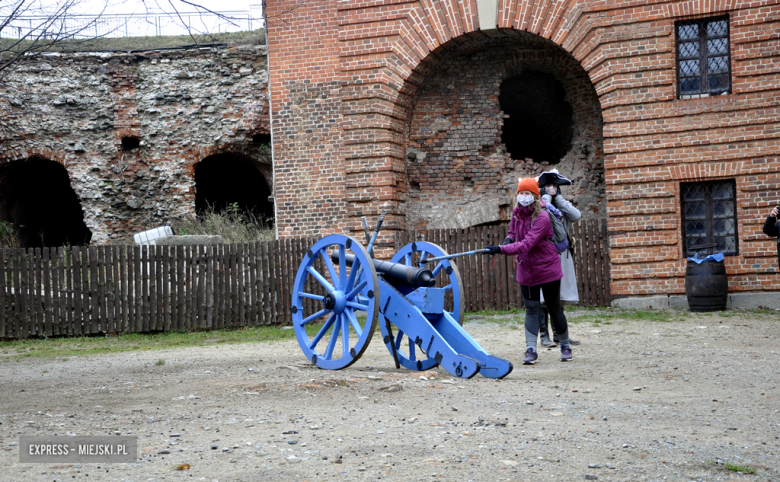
<point x="489" y="281"/>
<point x="113" y="289"/>
<point x="125" y="289"/>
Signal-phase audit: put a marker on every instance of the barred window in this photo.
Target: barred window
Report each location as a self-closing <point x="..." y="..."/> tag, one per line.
<point x="709" y="217"/>
<point x="703" y="58"/>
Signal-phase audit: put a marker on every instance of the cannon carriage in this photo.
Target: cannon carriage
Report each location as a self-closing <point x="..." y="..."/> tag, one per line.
<point x="417" y="304"/>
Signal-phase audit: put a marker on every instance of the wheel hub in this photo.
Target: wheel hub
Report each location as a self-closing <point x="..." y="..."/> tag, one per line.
<point x="335" y="301"/>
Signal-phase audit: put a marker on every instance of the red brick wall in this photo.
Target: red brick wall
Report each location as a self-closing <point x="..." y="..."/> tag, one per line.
<point x="380" y="53"/>
<point x="306" y="103"/>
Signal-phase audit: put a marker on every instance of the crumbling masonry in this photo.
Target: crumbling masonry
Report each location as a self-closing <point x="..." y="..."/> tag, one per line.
<point x="129" y="131"/>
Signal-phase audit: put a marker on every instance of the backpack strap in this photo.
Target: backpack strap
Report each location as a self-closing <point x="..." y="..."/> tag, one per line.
<point x="552" y="239"/>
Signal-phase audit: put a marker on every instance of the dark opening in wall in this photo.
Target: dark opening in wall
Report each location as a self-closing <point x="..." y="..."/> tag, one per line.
<point x="225" y="179"/>
<point x="36" y="196"/>
<point x="540" y="120"/>
<point x="261" y="140"/>
<point x="130" y="143"/>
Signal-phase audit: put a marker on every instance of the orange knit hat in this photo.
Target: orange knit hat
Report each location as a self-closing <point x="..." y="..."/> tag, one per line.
<point x="528" y="184"/>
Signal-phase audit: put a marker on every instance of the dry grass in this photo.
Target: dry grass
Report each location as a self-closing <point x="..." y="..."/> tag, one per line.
<point x="232" y="224"/>
<point x="8" y="236"/>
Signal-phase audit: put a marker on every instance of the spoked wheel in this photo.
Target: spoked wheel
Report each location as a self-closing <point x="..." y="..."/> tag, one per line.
<point x="447" y="276"/>
<point x="345" y="302"/>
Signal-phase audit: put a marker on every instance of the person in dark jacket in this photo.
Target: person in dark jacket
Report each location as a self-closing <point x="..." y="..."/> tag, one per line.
<point x="538" y="266"/>
<point x="772" y="228"/>
<point x="550" y="183"/>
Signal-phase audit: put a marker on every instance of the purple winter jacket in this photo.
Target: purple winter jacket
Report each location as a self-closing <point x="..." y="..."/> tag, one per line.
<point x="537" y="259"/>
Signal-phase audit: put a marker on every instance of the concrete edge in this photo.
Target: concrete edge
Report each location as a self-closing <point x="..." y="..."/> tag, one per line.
<point x="738" y="301"/>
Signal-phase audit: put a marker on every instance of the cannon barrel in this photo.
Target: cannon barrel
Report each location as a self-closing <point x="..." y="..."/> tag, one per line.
<point x="407" y="275"/>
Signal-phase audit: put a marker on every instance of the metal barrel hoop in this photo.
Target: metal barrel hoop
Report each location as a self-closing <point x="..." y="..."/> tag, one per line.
<point x="350" y="291"/>
<point x="410" y="355"/>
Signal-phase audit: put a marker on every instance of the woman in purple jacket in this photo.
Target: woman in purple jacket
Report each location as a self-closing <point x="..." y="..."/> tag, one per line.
<point x="538" y="266"/>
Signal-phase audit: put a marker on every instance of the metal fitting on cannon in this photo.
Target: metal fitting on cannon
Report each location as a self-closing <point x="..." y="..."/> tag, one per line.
<point x="407" y="275"/>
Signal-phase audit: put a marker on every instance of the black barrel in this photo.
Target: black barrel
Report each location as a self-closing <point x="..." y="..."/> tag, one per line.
<point x="706" y="286"/>
<point x="397" y="272"/>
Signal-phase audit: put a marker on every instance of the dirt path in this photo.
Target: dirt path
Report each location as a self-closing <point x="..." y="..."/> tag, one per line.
<point x="641" y="401"/>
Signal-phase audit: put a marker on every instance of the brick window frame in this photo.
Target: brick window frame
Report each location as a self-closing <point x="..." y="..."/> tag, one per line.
<point x="709" y="216"/>
<point x="702" y="45"/>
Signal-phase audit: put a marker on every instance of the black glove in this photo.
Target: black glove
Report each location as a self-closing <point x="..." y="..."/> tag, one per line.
<point x="508" y="240"/>
<point x="493" y="249"/>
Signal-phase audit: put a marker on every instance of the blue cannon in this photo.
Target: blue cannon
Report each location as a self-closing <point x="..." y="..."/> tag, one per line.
<point x="352" y="292"/>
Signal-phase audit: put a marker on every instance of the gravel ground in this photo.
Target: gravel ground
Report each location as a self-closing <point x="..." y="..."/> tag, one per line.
<point x="642" y="400"/>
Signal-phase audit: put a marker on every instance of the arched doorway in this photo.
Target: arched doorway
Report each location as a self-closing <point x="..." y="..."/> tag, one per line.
<point x="491" y="108"/>
<point x="36" y="197"/>
<point x="229" y="179"/>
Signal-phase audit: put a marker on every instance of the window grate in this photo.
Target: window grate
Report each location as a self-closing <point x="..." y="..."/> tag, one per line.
<point x="709" y="217"/>
<point x="703" y="58"/>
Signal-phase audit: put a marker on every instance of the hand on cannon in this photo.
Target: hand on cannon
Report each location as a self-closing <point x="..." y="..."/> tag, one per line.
<point x="493" y="249"/>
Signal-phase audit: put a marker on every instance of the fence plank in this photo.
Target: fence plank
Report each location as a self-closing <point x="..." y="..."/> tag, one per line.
<point x="136" y="322"/>
<point x="254" y="299"/>
<point x="75" y="279"/>
<point x="23" y="332"/>
<point x="173" y="287"/>
<point x="208" y="288"/>
<point x="156" y="322"/>
<point x="473" y="261"/>
<point x="583" y="263"/>
<point x="592" y="288"/>
<point x="285" y="287"/>
<point x="276" y="281"/>
<point x="224" y="282"/>
<point x="103" y="294"/>
<point x="216" y="276"/>
<point x="263" y="284"/>
<point x="16" y="260"/>
<point x="202" y="263"/>
<point x="145" y="299"/>
<point x="100" y="289"/>
<point x="600" y="262"/>
<point x="607" y="263"/>
<point x="180" y="295"/>
<point x="111" y="325"/>
<point x="61" y="300"/>
<point x="33" y="287"/>
<point x="116" y="290"/>
<point x="122" y="272"/>
<point x="3" y="288"/>
<point x="91" y="290"/>
<point x="266" y="289"/>
<point x="47" y="289"/>
<point x="240" y="285"/>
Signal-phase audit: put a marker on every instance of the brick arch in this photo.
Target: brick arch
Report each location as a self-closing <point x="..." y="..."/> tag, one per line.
<point x="384" y="62"/>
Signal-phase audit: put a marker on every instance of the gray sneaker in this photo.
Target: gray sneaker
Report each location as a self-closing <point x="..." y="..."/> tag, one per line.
<point x="547" y="343"/>
<point x="572" y="341"/>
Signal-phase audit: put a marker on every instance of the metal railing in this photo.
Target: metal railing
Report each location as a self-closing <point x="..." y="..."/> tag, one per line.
<point x="132" y="25"/>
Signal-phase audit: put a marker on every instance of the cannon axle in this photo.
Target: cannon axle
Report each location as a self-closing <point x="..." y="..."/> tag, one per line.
<point x="407" y="275"/>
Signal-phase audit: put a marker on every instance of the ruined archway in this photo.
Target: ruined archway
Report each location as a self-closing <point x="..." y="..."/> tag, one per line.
<point x="37" y="198"/>
<point x="488" y="109"/>
<point x="229" y="178"/>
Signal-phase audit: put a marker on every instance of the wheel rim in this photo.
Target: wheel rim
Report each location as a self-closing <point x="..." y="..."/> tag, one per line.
<point x="409" y="355"/>
<point x="341" y="295"/>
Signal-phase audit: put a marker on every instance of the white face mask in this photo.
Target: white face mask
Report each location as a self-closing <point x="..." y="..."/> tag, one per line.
<point x="525" y="200"/>
<point x="551" y="189"/>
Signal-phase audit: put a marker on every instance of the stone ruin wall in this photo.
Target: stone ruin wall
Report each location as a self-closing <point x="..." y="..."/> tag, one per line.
<point x="182" y="105"/>
<point x="460" y="173"/>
